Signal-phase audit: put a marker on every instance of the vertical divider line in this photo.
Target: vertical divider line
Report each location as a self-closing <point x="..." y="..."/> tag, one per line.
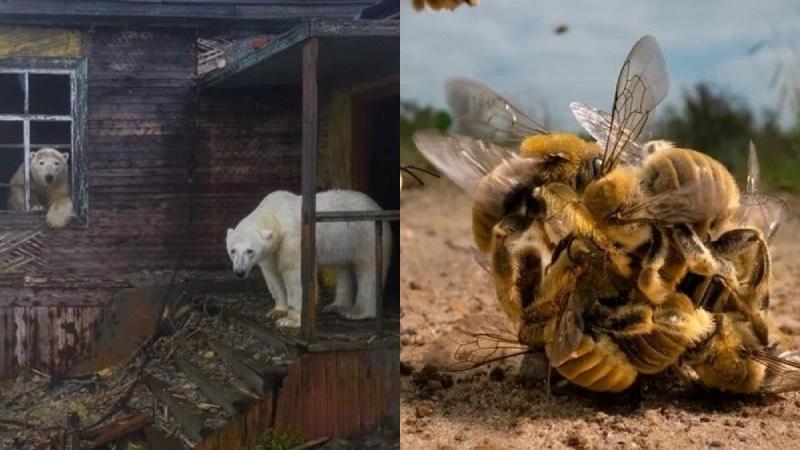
<point x="26" y="131"/>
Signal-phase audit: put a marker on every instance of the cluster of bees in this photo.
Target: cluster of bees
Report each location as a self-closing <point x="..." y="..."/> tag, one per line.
<point x="617" y="257"/>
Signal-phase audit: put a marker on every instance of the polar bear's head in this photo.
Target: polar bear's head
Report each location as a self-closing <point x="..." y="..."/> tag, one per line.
<point x="248" y="245"/>
<point x="49" y="166"/>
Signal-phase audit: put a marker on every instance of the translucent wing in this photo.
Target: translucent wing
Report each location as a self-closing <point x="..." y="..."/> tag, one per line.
<point x="669" y="207"/>
<point x="480" y="112"/>
<point x="757" y="210"/>
<point x="599" y="125"/>
<point x="753" y="170"/>
<point x="466" y="160"/>
<point x="763" y="212"/>
<point x="642" y="84"/>
<point x="569" y="330"/>
<point x="783" y="371"/>
<point x="478" y="340"/>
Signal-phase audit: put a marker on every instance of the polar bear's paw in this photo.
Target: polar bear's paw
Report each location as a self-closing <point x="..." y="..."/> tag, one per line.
<point x="37" y="208"/>
<point x="277" y="312"/>
<point x="336" y="308"/>
<point x="292" y="320"/>
<point x="358" y="313"/>
<point x="60" y="213"/>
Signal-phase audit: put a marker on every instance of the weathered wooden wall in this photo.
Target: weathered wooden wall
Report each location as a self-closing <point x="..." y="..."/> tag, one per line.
<point x="146" y="126"/>
<point x="327" y="394"/>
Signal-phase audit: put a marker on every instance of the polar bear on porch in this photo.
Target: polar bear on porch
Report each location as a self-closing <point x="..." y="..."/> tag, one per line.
<point x="270" y="238"/>
<point x="50" y="186"/>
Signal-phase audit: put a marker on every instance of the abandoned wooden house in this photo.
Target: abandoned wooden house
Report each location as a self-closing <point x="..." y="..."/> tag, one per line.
<point x="178" y="116"/>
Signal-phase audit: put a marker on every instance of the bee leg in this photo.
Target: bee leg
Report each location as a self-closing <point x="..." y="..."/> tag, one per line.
<point x="517" y="268"/>
<point x="630" y="319"/>
<point x="650" y="281"/>
<point x="700" y="259"/>
<point x="747" y="248"/>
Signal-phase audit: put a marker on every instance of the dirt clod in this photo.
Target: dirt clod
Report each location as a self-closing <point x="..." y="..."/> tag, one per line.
<point x="424" y="410"/>
<point x="497" y="374"/>
<point x="576" y="440"/>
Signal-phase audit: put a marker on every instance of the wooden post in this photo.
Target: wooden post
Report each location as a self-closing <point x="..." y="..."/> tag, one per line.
<point x="308" y="263"/>
<point x="379" y="270"/>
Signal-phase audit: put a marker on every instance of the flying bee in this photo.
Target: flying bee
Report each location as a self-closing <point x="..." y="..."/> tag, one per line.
<point x="436" y="5"/>
<point x="500" y="155"/>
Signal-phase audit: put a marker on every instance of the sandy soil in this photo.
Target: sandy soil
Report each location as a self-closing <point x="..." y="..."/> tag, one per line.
<point x="496" y="409"/>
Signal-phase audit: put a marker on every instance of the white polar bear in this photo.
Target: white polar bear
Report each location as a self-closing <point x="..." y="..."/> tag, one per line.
<point x="50" y="186"/>
<point x="269" y="237"/>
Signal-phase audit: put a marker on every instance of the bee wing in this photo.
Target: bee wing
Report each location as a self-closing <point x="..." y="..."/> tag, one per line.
<point x="569" y="331"/>
<point x="599" y="125"/>
<point x="757" y="210"/>
<point x="475" y="341"/>
<point x="783" y="371"/>
<point x="642" y="84"/>
<point x="753" y="170"/>
<point x="463" y="159"/>
<point x="669" y="207"/>
<point x="761" y="211"/>
<point x="482" y="113"/>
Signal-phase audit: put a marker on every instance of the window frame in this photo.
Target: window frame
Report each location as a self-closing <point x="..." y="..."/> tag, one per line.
<point x="77" y="71"/>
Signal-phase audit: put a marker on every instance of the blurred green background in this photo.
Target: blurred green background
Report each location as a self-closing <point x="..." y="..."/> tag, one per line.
<point x="707" y="118"/>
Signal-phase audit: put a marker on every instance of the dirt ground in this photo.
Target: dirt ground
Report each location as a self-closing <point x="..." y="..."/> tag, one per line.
<point x="493" y="408"/>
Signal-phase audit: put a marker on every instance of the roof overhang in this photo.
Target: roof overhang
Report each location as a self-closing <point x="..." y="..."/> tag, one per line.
<point x="276" y="14"/>
<point x="350" y="51"/>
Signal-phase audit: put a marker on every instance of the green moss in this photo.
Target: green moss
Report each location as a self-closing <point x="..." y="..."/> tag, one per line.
<point x="279" y="440"/>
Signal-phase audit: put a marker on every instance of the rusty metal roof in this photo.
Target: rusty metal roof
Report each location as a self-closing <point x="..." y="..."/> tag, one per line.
<point x="350" y="51"/>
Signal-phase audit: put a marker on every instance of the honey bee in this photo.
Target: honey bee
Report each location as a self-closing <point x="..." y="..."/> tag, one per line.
<point x="481" y="158"/>
<point x="598" y="331"/>
<point x="555" y="192"/>
<point x="436" y="5"/>
<point x="745" y="353"/>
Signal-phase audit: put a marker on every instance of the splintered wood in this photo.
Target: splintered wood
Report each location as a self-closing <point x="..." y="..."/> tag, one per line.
<point x="21" y="251"/>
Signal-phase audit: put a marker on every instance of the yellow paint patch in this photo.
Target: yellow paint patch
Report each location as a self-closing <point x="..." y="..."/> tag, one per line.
<point x="39" y="42"/>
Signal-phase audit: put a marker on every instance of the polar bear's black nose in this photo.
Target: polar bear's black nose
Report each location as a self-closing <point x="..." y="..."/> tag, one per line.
<point x="48" y="178"/>
<point x="239" y="273"/>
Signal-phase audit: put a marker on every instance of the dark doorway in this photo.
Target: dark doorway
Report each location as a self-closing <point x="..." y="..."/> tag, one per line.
<point x="376" y="159"/>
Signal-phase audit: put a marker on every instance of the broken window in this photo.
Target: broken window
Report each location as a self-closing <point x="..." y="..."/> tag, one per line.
<point x="36" y="112"/>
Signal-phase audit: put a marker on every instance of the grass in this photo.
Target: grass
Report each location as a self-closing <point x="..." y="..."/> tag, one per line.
<point x="279" y="440"/>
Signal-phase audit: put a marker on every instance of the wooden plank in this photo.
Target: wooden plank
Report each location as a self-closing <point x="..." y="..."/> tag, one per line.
<point x="310" y="150"/>
<point x="115" y="430"/>
<point x="231" y="401"/>
<point x="188" y="418"/>
<point x="355" y="216"/>
<point x="250" y="377"/>
<point x="156" y="439"/>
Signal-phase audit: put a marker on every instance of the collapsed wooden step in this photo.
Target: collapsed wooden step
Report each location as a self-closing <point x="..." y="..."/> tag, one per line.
<point x="231" y="400"/>
<point x="184" y="413"/>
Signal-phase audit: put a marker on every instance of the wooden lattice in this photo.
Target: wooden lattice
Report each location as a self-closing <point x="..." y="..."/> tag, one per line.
<point x="211" y="54"/>
<point x="21" y="251"/>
